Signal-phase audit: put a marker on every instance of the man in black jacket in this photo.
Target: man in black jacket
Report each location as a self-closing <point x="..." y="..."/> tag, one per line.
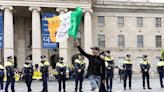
<point x="96" y="68"/>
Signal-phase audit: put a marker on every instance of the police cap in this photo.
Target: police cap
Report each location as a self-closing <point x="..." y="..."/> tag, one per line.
<point x="108" y="51"/>
<point x="9" y="57"/>
<point x="145" y="56"/>
<point x="128" y="55"/>
<point x="61" y="58"/>
<point x="43" y="56"/>
<point x="102" y="53"/>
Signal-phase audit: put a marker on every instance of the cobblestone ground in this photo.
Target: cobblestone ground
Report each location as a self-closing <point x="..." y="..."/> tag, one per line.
<point x="117" y="86"/>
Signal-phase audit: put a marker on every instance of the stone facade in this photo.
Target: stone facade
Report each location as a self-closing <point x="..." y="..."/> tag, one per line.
<point x="113" y="9"/>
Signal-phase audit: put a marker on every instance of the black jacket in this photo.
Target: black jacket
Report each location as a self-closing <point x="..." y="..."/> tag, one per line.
<point x="96" y="64"/>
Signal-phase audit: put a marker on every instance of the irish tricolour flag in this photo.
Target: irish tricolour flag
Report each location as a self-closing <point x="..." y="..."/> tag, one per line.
<point x="62" y="26"/>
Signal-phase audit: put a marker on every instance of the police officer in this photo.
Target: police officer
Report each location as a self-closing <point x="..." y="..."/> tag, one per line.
<point x="145" y="67"/>
<point x="62" y="70"/>
<point x="28" y="73"/>
<point x="110" y="68"/>
<point x="44" y="65"/>
<point x="10" y="74"/>
<point x="127" y="67"/>
<point x="79" y="72"/>
<point x="1" y="76"/>
<point x="160" y="69"/>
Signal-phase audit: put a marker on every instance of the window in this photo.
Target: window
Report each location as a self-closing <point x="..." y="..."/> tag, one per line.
<point x="101" y="41"/>
<point x="139" y="21"/>
<point x="158" y="22"/>
<point x="120" y="21"/>
<point x="158" y="41"/>
<point x="121" y="41"/>
<point x="101" y="20"/>
<point x="139" y="41"/>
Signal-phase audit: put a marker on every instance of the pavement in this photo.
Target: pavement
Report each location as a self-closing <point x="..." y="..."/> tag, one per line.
<point x="117" y="86"/>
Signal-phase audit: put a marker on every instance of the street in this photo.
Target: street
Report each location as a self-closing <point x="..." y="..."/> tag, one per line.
<point x="117" y="86"/>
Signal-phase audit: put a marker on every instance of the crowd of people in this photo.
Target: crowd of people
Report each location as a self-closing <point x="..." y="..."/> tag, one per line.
<point x="100" y="72"/>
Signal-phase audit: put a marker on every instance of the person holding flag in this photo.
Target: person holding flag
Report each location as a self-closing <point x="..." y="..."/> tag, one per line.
<point x="96" y="68"/>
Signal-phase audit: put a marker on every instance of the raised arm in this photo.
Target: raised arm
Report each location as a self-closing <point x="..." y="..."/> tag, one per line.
<point x="81" y="50"/>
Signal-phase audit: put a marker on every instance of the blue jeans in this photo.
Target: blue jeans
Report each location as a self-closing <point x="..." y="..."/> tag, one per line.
<point x="95" y="81"/>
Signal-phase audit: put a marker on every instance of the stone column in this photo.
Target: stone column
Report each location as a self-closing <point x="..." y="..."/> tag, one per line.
<point x="63" y="46"/>
<point x="87" y="30"/>
<point x="20" y="41"/>
<point x="8" y="32"/>
<point x="36" y="34"/>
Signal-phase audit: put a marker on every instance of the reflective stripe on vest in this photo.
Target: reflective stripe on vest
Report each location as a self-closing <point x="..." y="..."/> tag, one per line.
<point x="145" y="62"/>
<point x="1" y="67"/>
<point x="127" y="62"/>
<point x="160" y="63"/>
<point x="8" y="63"/>
<point x="108" y="58"/>
<point x="79" y="61"/>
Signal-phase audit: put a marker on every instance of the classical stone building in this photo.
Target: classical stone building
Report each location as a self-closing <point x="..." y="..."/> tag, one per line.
<point x="23" y="28"/>
<point x="123" y="26"/>
<point x="129" y="27"/>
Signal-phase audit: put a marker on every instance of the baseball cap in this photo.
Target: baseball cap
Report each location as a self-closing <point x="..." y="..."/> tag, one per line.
<point x="95" y="48"/>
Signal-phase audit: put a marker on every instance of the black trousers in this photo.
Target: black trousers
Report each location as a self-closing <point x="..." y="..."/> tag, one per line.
<point x="145" y="75"/>
<point x="78" y="78"/>
<point x="62" y="78"/>
<point x="28" y="81"/>
<point x="1" y="83"/>
<point x="161" y="76"/>
<point x="127" y="74"/>
<point x="45" y="85"/>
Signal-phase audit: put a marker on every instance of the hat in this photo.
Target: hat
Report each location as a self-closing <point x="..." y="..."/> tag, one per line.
<point x="102" y="53"/>
<point x="43" y="56"/>
<point x="95" y="48"/>
<point x="108" y="51"/>
<point x="61" y="58"/>
<point x="128" y="55"/>
<point x="145" y="56"/>
<point x="9" y="57"/>
<point x="160" y="59"/>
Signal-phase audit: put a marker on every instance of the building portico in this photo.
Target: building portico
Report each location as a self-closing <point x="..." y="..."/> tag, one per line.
<point x="22" y="30"/>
